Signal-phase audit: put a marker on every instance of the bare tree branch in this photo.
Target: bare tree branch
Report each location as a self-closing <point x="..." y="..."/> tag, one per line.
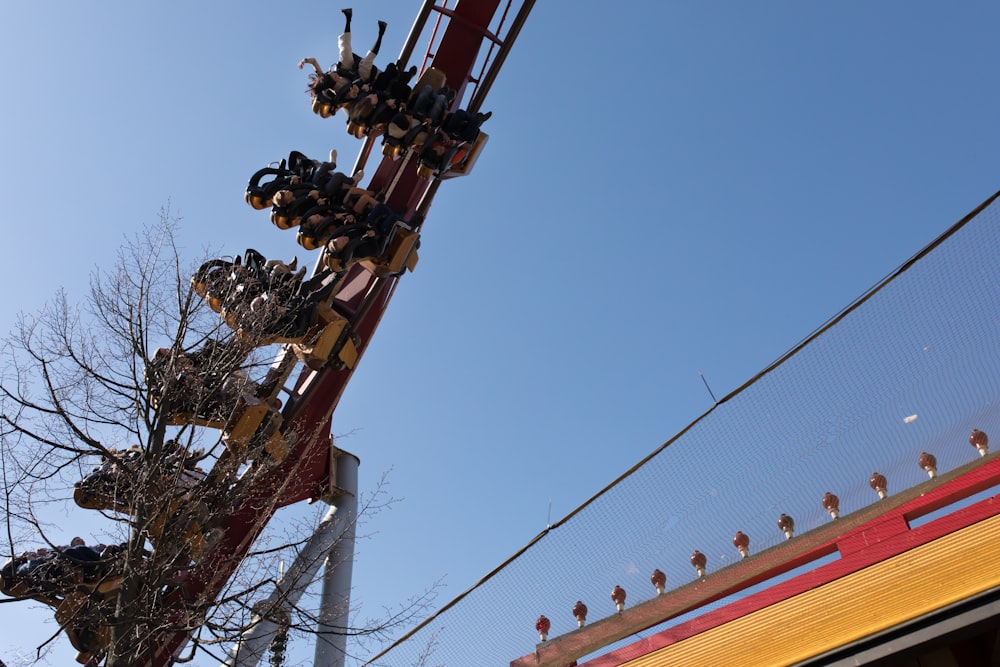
<point x="124" y="403"/>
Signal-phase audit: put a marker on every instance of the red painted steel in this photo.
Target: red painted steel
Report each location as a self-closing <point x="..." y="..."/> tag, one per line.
<point x="455" y="56"/>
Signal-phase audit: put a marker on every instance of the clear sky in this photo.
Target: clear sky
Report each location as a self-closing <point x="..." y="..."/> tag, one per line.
<point x="669" y="187"/>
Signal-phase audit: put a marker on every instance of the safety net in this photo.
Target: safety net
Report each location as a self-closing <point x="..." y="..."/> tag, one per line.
<point x="911" y="366"/>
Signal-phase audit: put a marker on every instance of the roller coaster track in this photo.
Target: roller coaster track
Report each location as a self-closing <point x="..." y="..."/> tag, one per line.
<point x="305" y="473"/>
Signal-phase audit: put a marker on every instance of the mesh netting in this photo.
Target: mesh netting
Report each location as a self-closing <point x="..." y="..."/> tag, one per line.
<point x="822" y="418"/>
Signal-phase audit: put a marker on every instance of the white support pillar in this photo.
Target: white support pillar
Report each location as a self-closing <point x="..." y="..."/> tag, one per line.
<point x="335" y="601"/>
<point x="333" y="537"/>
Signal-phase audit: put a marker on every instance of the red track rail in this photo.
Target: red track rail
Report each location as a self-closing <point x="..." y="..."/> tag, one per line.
<point x="305" y="472"/>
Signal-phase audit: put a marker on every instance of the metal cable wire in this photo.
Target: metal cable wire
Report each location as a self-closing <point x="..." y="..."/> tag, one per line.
<point x="911" y="366"/>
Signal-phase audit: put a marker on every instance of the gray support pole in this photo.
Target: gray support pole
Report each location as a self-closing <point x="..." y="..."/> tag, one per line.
<point x="335" y="602"/>
<point x="331" y="537"/>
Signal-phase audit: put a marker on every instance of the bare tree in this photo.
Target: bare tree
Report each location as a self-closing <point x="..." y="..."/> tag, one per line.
<point x="170" y="400"/>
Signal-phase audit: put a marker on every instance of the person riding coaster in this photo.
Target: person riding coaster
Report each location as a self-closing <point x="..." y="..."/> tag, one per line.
<point x="258" y="298"/>
<point x="81" y="582"/>
<point x="345" y="249"/>
<point x="436" y="155"/>
<point x="264" y="301"/>
<point x="290" y="173"/>
<point x="49" y="575"/>
<point x="111" y="486"/>
<point x="291" y="317"/>
<point x="463" y="126"/>
<point x="388" y="243"/>
<point x="217" y="280"/>
<point x="197" y="387"/>
<point x="318" y="228"/>
<point x="369" y="114"/>
<point x="259" y="195"/>
<point x="350" y="77"/>
<point x="195" y="397"/>
<point x="329" y="189"/>
<point x="401" y="133"/>
<point x="290" y="203"/>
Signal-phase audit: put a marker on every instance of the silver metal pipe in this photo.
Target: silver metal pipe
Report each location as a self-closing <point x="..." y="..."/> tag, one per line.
<point x="335" y="600"/>
<point x="333" y="541"/>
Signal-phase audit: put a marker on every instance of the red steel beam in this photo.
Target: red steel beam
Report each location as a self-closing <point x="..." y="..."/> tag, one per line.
<point x="455" y="56"/>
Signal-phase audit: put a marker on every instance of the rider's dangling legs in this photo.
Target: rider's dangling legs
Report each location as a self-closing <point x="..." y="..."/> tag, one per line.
<point x="365" y="67"/>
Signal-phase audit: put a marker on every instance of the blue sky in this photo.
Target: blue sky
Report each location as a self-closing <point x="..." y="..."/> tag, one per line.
<point x="669" y="188"/>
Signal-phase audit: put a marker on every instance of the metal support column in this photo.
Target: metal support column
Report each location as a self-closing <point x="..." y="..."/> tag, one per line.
<point x="332" y="542"/>
<point x="335" y="601"/>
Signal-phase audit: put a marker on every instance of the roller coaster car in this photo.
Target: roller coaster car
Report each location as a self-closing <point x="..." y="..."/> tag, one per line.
<point x="56" y="575"/>
<point x="400" y="252"/>
<point x="213" y="406"/>
<point x="308" y="240"/>
<point x="356" y="130"/>
<point x="109" y="486"/>
<point x="100" y="491"/>
<point x="462" y="162"/>
<point x="190" y="419"/>
<point x="334" y="329"/>
<point x="90" y="643"/>
<point x="425" y="172"/>
<point x="393" y="147"/>
<point x="432" y="77"/>
<point x="89" y="500"/>
<point x="259" y="196"/>
<point x="447" y="156"/>
<point x="179" y="508"/>
<point x="323" y="109"/>
<point x="251" y="412"/>
<point x="392" y="150"/>
<point x="259" y="432"/>
<point x="13" y="586"/>
<point x="281" y="219"/>
<point x="24" y="591"/>
<point x="258" y="339"/>
<point x="208" y="274"/>
<point x="176" y="489"/>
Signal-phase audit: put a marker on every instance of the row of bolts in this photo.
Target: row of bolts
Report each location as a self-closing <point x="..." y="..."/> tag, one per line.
<point x="741" y="541"/>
